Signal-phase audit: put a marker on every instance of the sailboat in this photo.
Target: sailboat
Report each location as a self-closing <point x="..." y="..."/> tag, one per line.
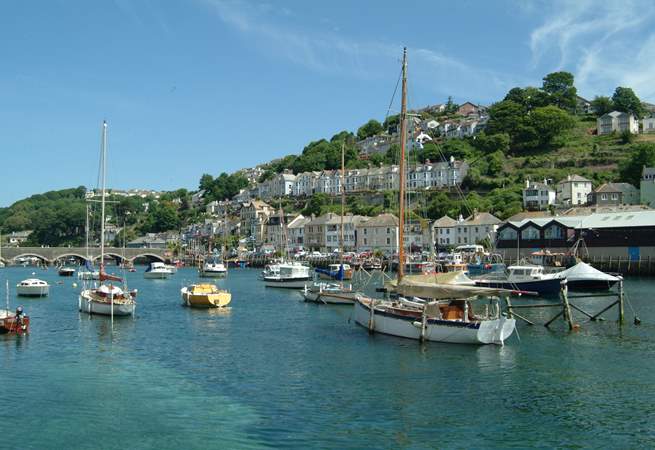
<point x="88" y="272"/>
<point x="434" y="308"/>
<point x="108" y="298"/>
<point x="286" y="274"/>
<point x="330" y="292"/>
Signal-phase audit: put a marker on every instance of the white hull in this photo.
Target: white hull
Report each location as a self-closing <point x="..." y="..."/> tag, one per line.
<point x="33" y="291"/>
<point x="90" y="306"/>
<point x="457" y="332"/>
<point x="88" y="275"/>
<point x="213" y="274"/>
<point x="330" y="298"/>
<point x="287" y="284"/>
<point x="156" y="275"/>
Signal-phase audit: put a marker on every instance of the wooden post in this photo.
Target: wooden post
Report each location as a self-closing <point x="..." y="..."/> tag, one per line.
<point x="621" y="298"/>
<point x="567" y="308"/>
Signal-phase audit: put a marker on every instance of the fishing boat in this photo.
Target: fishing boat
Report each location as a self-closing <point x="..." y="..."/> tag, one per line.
<point x="13" y="322"/>
<point x="336" y="272"/>
<point x="107" y="299"/>
<point x="585" y="278"/>
<point x="33" y="287"/>
<point x="157" y="270"/>
<point x="213" y="268"/>
<point x="205" y="295"/>
<point x="290" y="275"/>
<point x="524" y="278"/>
<point x="440" y="308"/>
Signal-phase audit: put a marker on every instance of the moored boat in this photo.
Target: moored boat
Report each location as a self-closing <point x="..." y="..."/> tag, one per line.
<point x="66" y="271"/>
<point x="524" y="278"/>
<point x="157" y="270"/>
<point x="14" y="322"/>
<point x="213" y="268"/>
<point x="329" y="294"/>
<point x="33" y="287"/>
<point x="336" y="272"/>
<point x="290" y="275"/>
<point x="585" y="278"/>
<point x="205" y="295"/>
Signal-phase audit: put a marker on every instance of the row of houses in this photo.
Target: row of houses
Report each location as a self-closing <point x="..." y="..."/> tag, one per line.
<point x="575" y="190"/>
<point x="619" y="122"/>
<point x="430" y="175"/>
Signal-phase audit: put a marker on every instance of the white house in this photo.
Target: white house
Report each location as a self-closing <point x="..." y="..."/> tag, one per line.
<point x="573" y="190"/>
<point x="477" y="228"/>
<point x="378" y="233"/>
<point x="648" y="125"/>
<point x="296" y="231"/>
<point x="617" y="121"/>
<point x="444" y="231"/>
<point x="538" y="195"/>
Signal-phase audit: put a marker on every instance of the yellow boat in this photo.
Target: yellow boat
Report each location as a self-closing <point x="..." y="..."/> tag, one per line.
<point x="205" y="296"/>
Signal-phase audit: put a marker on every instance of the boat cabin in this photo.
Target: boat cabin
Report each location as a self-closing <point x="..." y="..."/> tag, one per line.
<point x="523" y="273"/>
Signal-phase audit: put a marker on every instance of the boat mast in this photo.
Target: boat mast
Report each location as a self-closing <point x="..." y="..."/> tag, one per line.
<point x="87" y="231"/>
<point x="103" y="184"/>
<point x="401" y="168"/>
<point x="343" y="201"/>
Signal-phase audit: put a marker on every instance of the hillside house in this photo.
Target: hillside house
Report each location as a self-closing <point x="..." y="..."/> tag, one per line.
<point x="537" y="196"/>
<point x="617" y="121"/>
<point x="573" y="190"/>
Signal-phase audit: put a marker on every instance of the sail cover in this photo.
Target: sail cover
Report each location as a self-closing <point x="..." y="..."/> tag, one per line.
<point x="584" y="272"/>
<point x="450" y="285"/>
<point x="105" y="276"/>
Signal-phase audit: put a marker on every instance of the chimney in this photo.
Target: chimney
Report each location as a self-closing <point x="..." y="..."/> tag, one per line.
<point x="527" y="182"/>
<point x="568" y="178"/>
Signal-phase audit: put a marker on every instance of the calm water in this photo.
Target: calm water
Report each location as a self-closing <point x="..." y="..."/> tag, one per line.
<point x="276" y="372"/>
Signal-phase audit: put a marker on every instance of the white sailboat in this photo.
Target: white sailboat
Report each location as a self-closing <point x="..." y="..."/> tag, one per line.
<point x="107" y="299"/>
<point x="447" y="313"/>
<point x="332" y="293"/>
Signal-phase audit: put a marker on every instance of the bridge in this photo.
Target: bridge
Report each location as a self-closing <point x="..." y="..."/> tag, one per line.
<point x="51" y="254"/>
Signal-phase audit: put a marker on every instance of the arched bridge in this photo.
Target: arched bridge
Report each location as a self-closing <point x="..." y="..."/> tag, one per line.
<point x="51" y="254"/>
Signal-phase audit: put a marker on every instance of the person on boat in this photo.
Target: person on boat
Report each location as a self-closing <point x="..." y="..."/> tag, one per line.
<point x="20" y="315"/>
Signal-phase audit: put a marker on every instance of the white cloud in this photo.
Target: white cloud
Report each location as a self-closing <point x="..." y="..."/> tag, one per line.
<point x="606" y="44"/>
<point x="319" y="48"/>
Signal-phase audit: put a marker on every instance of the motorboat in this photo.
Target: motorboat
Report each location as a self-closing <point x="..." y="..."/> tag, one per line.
<point x="213" y="268"/>
<point x="585" y="278"/>
<point x="329" y="293"/>
<point x="66" y="271"/>
<point x="524" y="278"/>
<point x="205" y="295"/>
<point x="335" y="272"/>
<point x="291" y="275"/>
<point x="33" y="287"/>
<point x="171" y="267"/>
<point x="157" y="270"/>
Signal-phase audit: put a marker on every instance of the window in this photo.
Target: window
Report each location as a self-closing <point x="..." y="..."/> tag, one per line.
<point x="448" y="231"/>
<point x="365" y="231"/>
<point x="365" y="241"/>
<point x="476" y="229"/>
<point x="530" y="233"/>
<point x="388" y="241"/>
<point x="615" y="196"/>
<point x="553" y="232"/>
<point x="388" y="230"/>
<point x="603" y="196"/>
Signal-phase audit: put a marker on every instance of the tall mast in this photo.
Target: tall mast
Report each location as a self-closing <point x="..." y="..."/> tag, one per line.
<point x="103" y="184"/>
<point x="343" y="201"/>
<point x="87" y="231"/>
<point x="401" y="168"/>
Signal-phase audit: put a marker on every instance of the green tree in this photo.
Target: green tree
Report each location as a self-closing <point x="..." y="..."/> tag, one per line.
<point x="550" y="122"/>
<point x="602" y="105"/>
<point x="451" y="107"/>
<point x="625" y="99"/>
<point x="641" y="155"/>
<point x="316" y="205"/>
<point x="490" y="143"/>
<point x="206" y="181"/>
<point x="161" y="217"/>
<point x="391" y="124"/>
<point x="495" y="163"/>
<point x="371" y="128"/>
<point x="560" y="89"/>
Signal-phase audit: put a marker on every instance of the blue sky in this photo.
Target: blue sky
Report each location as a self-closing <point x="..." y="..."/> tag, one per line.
<point x="199" y="86"/>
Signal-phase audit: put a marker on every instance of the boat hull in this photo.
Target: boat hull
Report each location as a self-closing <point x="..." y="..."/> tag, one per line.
<point x="9" y="324"/>
<point x="156" y="275"/>
<point x="213" y="274"/>
<point x="88" y="304"/>
<point x="287" y="284"/>
<point x="214" y="300"/>
<point x="33" y="291"/>
<point x="451" y="331"/>
<point x="329" y="298"/>
<point x="550" y="287"/>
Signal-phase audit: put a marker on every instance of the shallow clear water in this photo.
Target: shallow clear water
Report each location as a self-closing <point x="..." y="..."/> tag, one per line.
<point x="275" y="372"/>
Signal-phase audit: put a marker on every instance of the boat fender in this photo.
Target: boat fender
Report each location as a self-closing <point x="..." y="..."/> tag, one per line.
<point x="417" y="324"/>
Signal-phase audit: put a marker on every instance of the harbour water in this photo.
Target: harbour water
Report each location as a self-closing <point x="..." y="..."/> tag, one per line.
<point x="273" y="371"/>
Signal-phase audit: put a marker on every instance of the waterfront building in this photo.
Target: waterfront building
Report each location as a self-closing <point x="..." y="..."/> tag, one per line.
<point x="573" y="190"/>
<point x="378" y="233"/>
<point x="626" y="234"/>
<point x="150" y="240"/>
<point x="276" y="229"/>
<point x="479" y="227"/>
<point x="614" y="194"/>
<point x="296" y="230"/>
<point x="323" y="232"/>
<point x="444" y="230"/>
<point x="537" y="196"/>
<point x="617" y="122"/>
<point x="647" y="187"/>
<point x="254" y="216"/>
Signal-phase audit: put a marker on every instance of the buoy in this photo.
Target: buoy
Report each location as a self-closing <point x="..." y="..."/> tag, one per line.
<point x="637" y="321"/>
<point x="74" y="285"/>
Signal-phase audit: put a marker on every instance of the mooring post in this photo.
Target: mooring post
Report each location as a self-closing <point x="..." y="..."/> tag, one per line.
<point x="621" y="298"/>
<point x="509" y="307"/>
<point x="567" y="308"/>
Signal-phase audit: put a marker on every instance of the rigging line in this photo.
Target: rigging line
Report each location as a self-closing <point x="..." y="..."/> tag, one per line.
<point x="400" y="75"/>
